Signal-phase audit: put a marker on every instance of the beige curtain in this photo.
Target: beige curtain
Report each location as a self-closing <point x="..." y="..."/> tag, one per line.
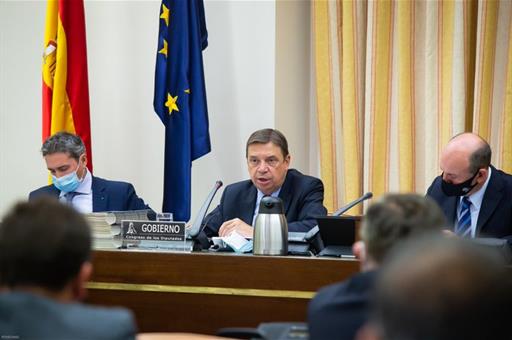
<point x="396" y="79"/>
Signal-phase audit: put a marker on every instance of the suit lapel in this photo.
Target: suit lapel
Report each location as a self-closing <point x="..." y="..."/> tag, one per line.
<point x="492" y="196"/>
<point x="248" y="205"/>
<point x="54" y="191"/>
<point x="99" y="201"/>
<point x="450" y="208"/>
<point x="286" y="191"/>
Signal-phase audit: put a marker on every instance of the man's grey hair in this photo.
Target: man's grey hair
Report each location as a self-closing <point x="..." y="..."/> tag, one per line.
<point x="64" y="142"/>
<point x="396" y="217"/>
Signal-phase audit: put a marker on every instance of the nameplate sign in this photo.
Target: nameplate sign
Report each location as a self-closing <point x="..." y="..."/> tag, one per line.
<point x="153" y="231"/>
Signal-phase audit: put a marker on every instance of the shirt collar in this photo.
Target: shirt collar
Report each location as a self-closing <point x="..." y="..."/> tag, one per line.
<point x="477" y="197"/>
<point x="261" y="194"/>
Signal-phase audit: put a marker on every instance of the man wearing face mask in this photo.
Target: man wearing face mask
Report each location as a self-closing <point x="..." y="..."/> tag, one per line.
<point x="74" y="185"/>
<point x="267" y="162"/>
<point x="475" y="196"/>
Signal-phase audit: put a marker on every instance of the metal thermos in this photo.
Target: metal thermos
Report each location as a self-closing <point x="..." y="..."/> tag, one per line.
<point x="270" y="228"/>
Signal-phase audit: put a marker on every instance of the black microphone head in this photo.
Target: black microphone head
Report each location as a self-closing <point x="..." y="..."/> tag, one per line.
<point x="219" y="183"/>
<point x="368" y="195"/>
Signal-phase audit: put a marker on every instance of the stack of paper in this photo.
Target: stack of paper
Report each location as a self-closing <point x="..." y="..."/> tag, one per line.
<point x="101" y="230"/>
<point x="106" y="226"/>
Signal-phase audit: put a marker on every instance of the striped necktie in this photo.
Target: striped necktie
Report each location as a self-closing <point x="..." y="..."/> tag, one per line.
<point x="464" y="223"/>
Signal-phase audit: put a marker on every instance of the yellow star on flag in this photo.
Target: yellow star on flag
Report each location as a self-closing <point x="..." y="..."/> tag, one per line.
<point x="171" y="103"/>
<point x="165" y="14"/>
<point x="164" y="49"/>
<point x="187" y="91"/>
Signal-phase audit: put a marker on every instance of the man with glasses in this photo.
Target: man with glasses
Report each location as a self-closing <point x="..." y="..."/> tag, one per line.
<point x="475" y="196"/>
<point x="268" y="163"/>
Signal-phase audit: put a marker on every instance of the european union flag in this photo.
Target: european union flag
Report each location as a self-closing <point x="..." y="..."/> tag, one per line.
<point x="180" y="98"/>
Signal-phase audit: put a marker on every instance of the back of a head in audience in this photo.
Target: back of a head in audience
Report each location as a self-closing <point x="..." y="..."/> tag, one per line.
<point x="394" y="218"/>
<point x="442" y="288"/>
<point x="45" y="249"/>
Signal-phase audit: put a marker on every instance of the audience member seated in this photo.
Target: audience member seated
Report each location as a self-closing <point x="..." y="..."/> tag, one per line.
<point x="73" y="184"/>
<point x="475" y="196"/>
<point x="268" y="160"/>
<point x="45" y="250"/>
<point x="443" y="289"/>
<point x="339" y="310"/>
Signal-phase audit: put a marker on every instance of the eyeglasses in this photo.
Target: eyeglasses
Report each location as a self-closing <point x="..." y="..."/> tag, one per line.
<point x="271" y="162"/>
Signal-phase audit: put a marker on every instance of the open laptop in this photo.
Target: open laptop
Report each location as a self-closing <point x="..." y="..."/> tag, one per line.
<point x="338" y="234"/>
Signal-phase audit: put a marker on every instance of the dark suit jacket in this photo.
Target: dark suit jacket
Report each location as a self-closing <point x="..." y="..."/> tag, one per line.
<point x="495" y="216"/>
<point x="339" y="310"/>
<point x="28" y="316"/>
<point x="302" y="197"/>
<point x="106" y="195"/>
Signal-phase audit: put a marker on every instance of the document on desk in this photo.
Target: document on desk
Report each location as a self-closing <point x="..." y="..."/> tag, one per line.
<point x="115" y="217"/>
<point x="238" y="243"/>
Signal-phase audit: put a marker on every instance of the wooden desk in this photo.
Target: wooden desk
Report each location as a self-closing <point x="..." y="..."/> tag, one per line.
<point x="202" y="292"/>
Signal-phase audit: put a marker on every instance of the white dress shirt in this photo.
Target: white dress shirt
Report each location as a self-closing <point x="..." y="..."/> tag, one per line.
<point x="258" y="200"/>
<point x="476" y="199"/>
<point x="82" y="202"/>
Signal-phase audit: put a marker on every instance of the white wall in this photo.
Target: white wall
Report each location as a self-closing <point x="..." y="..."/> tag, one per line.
<point x="292" y="78"/>
<point x="21" y="42"/>
<point x="127" y="136"/>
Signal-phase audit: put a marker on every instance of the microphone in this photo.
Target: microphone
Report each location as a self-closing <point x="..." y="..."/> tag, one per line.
<point x="313" y="231"/>
<point x="196" y="226"/>
<point x="346" y="208"/>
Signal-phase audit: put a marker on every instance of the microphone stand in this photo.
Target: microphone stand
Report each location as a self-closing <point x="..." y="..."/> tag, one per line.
<point x="349" y="206"/>
<point x="196" y="231"/>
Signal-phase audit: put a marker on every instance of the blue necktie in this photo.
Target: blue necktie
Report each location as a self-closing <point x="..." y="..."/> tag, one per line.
<point x="463" y="228"/>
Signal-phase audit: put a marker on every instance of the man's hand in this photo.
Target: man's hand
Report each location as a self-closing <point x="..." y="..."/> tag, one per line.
<point x="359" y="250"/>
<point x="235" y="224"/>
<point x="448" y="233"/>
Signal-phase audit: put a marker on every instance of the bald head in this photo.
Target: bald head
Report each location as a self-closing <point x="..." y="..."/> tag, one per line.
<point x="466" y="151"/>
<point x="466" y="156"/>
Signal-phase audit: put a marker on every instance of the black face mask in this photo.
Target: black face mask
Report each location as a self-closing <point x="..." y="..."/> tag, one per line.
<point x="460" y="189"/>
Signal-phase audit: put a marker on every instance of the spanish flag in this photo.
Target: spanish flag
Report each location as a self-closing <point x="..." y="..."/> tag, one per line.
<point x="65" y="84"/>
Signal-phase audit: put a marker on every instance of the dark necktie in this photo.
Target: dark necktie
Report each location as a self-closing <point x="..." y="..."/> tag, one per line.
<point x="69" y="197"/>
<point x="464" y="223"/>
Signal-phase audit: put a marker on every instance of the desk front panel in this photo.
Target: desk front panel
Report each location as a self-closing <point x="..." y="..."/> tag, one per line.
<point x="201" y="292"/>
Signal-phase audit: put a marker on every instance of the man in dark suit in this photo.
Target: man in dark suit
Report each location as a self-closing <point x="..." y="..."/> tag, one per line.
<point x="338" y="311"/>
<point x="66" y="160"/>
<point x="475" y="196"/>
<point x="45" y="250"/>
<point x="443" y="289"/>
<point x="268" y="161"/>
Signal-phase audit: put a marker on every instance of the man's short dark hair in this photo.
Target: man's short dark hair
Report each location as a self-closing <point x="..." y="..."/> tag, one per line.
<point x="265" y="136"/>
<point x="43" y="243"/>
<point x="444" y="289"/>
<point x="480" y="158"/>
<point x="64" y="142"/>
<point x="396" y="217"/>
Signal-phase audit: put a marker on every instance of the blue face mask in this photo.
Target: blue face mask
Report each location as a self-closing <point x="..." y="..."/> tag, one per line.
<point x="67" y="183"/>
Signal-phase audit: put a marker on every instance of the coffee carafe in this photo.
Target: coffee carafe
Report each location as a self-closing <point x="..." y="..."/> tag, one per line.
<point x="270" y="228"/>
